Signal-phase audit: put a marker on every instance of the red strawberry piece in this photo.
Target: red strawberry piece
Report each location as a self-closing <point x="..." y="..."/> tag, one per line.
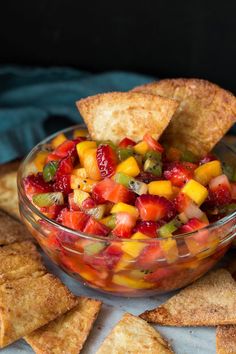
<point x="160" y="274"/>
<point x="124" y="143"/>
<point x="124" y="225"/>
<point x="112" y="255"/>
<point x="153" y="144"/>
<point x="88" y="203"/>
<point x="207" y="158"/>
<point x="65" y="167"/>
<point x="52" y="157"/>
<point x="220" y="191"/>
<point x="68" y="147"/>
<point x="181" y="202"/>
<point x="147" y="177"/>
<point x="62" y="184"/>
<point x="150" y="255"/>
<point x="109" y="190"/>
<point x="94" y="227"/>
<point x="107" y="160"/>
<point x="192" y="225"/>
<point x="34" y="184"/>
<point x="154" y="207"/>
<point x="148" y="228"/>
<point x="72" y="204"/>
<point x="75" y="220"/>
<point x="52" y="211"/>
<point x="179" y="173"/>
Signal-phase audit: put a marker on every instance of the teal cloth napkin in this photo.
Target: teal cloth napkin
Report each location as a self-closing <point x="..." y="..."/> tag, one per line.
<point x="35" y="102"/>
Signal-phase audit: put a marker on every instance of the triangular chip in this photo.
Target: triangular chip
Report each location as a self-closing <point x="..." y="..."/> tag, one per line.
<point x="11" y="230"/>
<point x="68" y="333"/>
<point x="226" y="340"/>
<point x="8" y="191"/>
<point x="19" y="260"/>
<point x="29" y="303"/>
<point x="133" y="335"/>
<point x="113" y="116"/>
<point x="210" y="301"/>
<point x="205" y="114"/>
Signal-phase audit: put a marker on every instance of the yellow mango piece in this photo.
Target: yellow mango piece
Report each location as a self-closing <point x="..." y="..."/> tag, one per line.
<point x="91" y="165"/>
<point x="134" y="248"/>
<point x="80" y="133"/>
<point x="141" y="148"/>
<point x="79" y="172"/>
<point x="204" y="173"/>
<point x="80" y="196"/>
<point x="123" y="280"/>
<point x="82" y="147"/>
<point x="129" y="167"/>
<point x="85" y="184"/>
<point x="40" y="160"/>
<point x="124" y="208"/>
<point x="58" y="140"/>
<point x="196" y="191"/>
<point x="162" y="188"/>
<point x="169" y="247"/>
<point x="123" y="263"/>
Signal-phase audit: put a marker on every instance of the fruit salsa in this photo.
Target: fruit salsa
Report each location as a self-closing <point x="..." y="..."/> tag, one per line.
<point x="136" y="200"/>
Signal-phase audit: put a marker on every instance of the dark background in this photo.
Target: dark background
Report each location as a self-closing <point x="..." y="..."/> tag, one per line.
<point x="163" y="38"/>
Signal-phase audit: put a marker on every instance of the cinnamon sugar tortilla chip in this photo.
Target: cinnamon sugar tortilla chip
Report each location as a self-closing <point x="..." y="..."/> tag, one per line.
<point x="226" y="339"/>
<point x="210" y="301"/>
<point x="8" y="193"/>
<point x="205" y="114"/>
<point x="11" y="230"/>
<point x="29" y="303"/>
<point x="115" y="115"/>
<point x="133" y="335"/>
<point x="68" y="333"/>
<point x="19" y="260"/>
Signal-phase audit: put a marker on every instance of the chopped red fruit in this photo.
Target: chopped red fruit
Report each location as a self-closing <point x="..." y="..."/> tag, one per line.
<point x="220" y="191"/>
<point x="181" y="202"/>
<point x="107" y="160"/>
<point x="68" y="147"/>
<point x="179" y="173"/>
<point x="192" y="225"/>
<point x="75" y="220"/>
<point x="52" y="157"/>
<point x="150" y="255"/>
<point x="125" y="223"/>
<point x="65" y="167"/>
<point x="52" y="211"/>
<point x="94" y="227"/>
<point x="124" y="143"/>
<point x="148" y="228"/>
<point x="112" y="255"/>
<point x="154" y="207"/>
<point x="207" y="158"/>
<point x="160" y="274"/>
<point x="153" y="144"/>
<point x="35" y="184"/>
<point x="109" y="190"/>
<point x="62" y="184"/>
<point x="88" y="203"/>
<point x="72" y="204"/>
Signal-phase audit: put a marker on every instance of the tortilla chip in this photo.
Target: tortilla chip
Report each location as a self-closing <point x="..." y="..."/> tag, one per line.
<point x="11" y="230"/>
<point x="210" y="301"/>
<point x="133" y="335"/>
<point x="8" y="194"/>
<point x="113" y="116"/>
<point x="29" y="303"/>
<point x="19" y="260"/>
<point x="226" y="340"/>
<point x="205" y="114"/>
<point x="68" y="333"/>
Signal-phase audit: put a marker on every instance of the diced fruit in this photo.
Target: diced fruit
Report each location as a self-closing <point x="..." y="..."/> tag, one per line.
<point x="160" y="274"/>
<point x="128" y="282"/>
<point x="91" y="165"/>
<point x="106" y="160"/>
<point x="124" y="261"/>
<point x="204" y="173"/>
<point x="184" y="204"/>
<point x="125" y="223"/>
<point x="58" y="140"/>
<point x="82" y="147"/>
<point x="49" y="170"/>
<point x="173" y="154"/>
<point x="106" y="142"/>
<point x="94" y="227"/>
<point x="72" y="204"/>
<point x="112" y="255"/>
<point x="64" y="167"/>
<point x="94" y="248"/>
<point x="109" y="221"/>
<point x="109" y="190"/>
<point x="179" y="173"/>
<point x="62" y="184"/>
<point x="162" y="188"/>
<point x="192" y="225"/>
<point x="78" y="133"/>
<point x="169" y="228"/>
<point x="85" y="184"/>
<point x="170" y="250"/>
<point x="134" y="248"/>
<point x="150" y="255"/>
<point x="153" y="144"/>
<point x="126" y="142"/>
<point x="52" y="211"/>
<point x="153" y="207"/>
<point x="79" y="172"/>
<point x="220" y="191"/>
<point x="75" y="220"/>
<point x="153" y="166"/>
<point x="124" y="153"/>
<point x="97" y="212"/>
<point x="35" y="184"/>
<point x="40" y="160"/>
<point x="48" y="199"/>
<point x="141" y="148"/>
<point x="196" y="191"/>
<point x="148" y="228"/>
<point x="88" y="203"/>
<point x="125" y="208"/>
<point x="67" y="148"/>
<point x="80" y="196"/>
<point x="129" y="167"/>
<point x="153" y="155"/>
<point x="131" y="183"/>
<point x="146" y="177"/>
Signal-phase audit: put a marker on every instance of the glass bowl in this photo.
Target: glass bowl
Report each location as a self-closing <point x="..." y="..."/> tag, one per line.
<point x="127" y="267"/>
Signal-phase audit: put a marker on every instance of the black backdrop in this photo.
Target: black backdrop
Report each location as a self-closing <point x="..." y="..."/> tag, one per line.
<point x="164" y="38"/>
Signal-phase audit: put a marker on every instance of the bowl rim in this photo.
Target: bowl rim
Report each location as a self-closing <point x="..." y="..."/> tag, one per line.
<point x="81" y="234"/>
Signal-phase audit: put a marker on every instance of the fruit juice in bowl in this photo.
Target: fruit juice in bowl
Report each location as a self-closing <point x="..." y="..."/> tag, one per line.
<point x="129" y="219"/>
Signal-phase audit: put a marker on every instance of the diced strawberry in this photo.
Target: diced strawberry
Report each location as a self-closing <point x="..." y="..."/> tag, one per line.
<point x="124" y="225"/>
<point x="179" y="173"/>
<point x="75" y="220"/>
<point x="233" y="190"/>
<point x="62" y="184"/>
<point x="154" y="207"/>
<point x="35" y="184"/>
<point x="68" y="147"/>
<point x="148" y="228"/>
<point x="52" y="211"/>
<point x="94" y="227"/>
<point x="107" y="160"/>
<point x="150" y="255"/>
<point x="160" y="274"/>
<point x="112" y="255"/>
<point x="220" y="191"/>
<point x="147" y="177"/>
<point x="124" y="143"/>
<point x="52" y="157"/>
<point x="65" y="167"/>
<point x="192" y="225"/>
<point x="181" y="202"/>
<point x="72" y="204"/>
<point x="88" y="203"/>
<point x="207" y="158"/>
<point x="153" y="144"/>
<point x="109" y="190"/>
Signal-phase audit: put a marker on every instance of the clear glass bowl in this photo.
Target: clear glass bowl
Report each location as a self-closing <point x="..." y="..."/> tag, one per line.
<point x="127" y="267"/>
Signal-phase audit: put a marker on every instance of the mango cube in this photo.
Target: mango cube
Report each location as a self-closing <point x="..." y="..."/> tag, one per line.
<point x="58" y="140"/>
<point x="162" y="188"/>
<point x="82" y="147"/>
<point x="204" y="173"/>
<point x="123" y="262"/>
<point x="125" y="208"/>
<point x="141" y="148"/>
<point x="79" y="172"/>
<point x="40" y="160"/>
<point x="170" y="249"/>
<point x="129" y="167"/>
<point x="196" y="191"/>
<point x="134" y="248"/>
<point x="85" y="184"/>
<point x="80" y="196"/>
<point x="123" y="280"/>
